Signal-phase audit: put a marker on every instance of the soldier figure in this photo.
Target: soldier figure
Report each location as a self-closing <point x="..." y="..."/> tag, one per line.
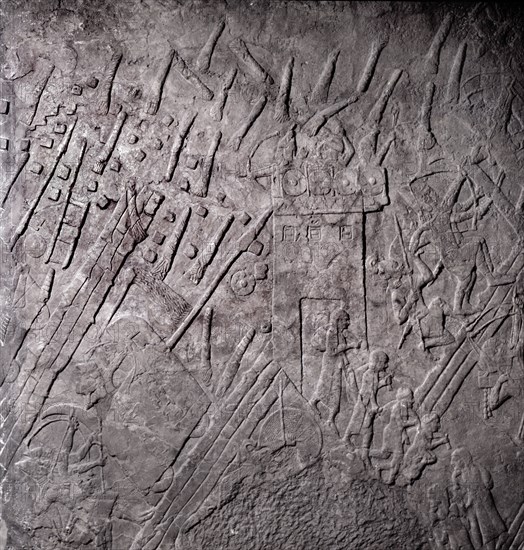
<point x="334" y="342"/>
<point x="366" y="408"/>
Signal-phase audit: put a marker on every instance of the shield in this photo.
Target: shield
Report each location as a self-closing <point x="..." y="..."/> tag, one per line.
<point x="294" y="183"/>
<point x="346" y="182"/>
<point x="320" y="179"/>
<point x="372" y="180"/>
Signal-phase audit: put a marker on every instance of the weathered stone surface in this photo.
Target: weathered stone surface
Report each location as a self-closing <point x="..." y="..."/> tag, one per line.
<point x="262" y="275"/>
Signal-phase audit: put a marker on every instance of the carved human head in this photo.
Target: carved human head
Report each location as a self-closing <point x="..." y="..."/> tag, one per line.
<point x="379" y="360"/>
<point x="391" y="271"/>
<point x="461" y="458"/>
<point x="340" y="319"/>
<point x="90" y="382"/>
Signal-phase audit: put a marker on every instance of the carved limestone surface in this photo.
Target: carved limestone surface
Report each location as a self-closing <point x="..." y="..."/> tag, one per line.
<point x="262" y="275"/>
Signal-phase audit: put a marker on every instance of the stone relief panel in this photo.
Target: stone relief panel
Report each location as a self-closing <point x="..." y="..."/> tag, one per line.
<point x="262" y="275"/>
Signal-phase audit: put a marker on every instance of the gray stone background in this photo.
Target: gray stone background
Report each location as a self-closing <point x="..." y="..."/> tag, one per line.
<point x="261" y="275"/>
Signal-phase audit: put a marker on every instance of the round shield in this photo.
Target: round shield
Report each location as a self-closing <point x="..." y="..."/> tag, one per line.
<point x="320" y="180"/>
<point x="346" y="182"/>
<point x="293" y="183"/>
